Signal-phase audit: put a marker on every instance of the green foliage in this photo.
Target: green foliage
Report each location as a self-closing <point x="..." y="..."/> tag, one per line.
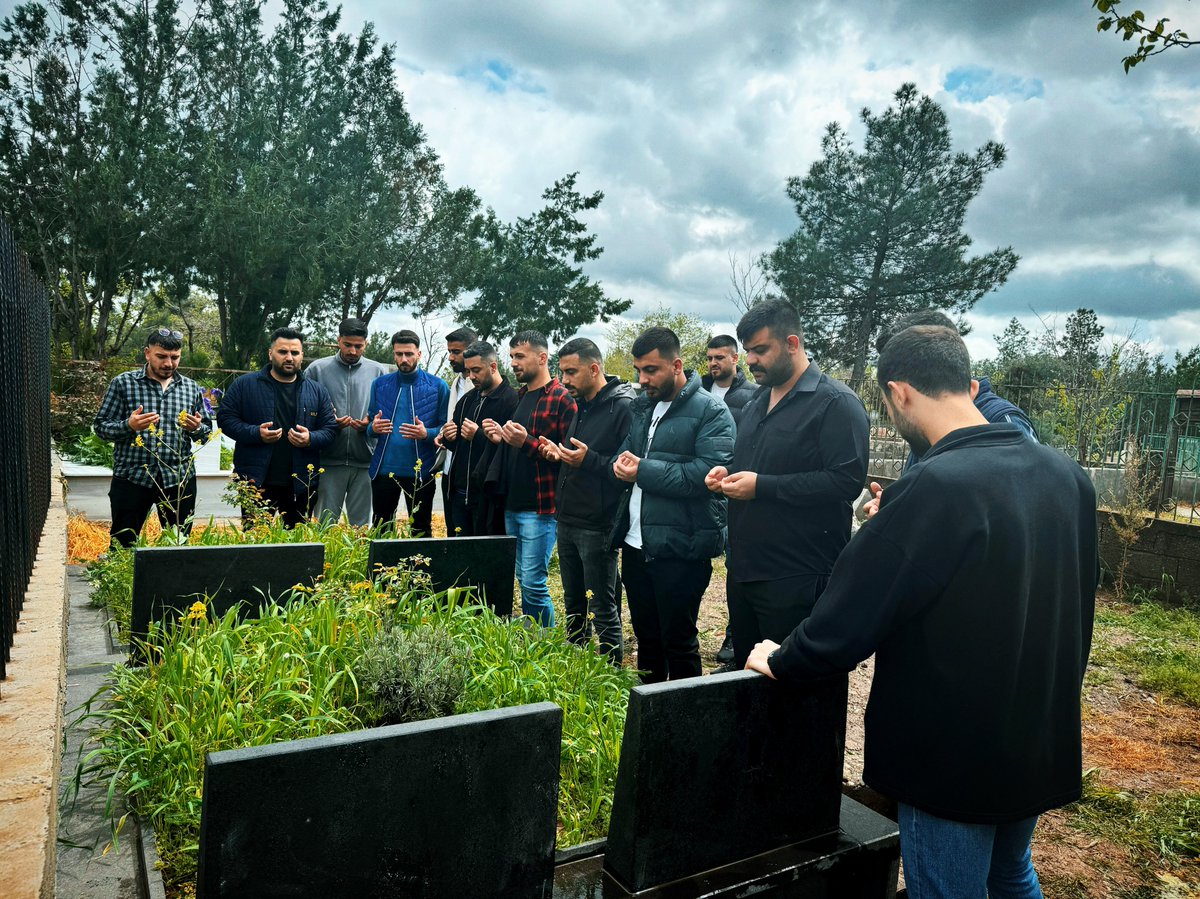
<point x="226" y="458"/>
<point x="693" y="331"/>
<point x="529" y="273"/>
<point x="413" y="674"/>
<point x="1162" y="826"/>
<point x="881" y="230"/>
<point x="303" y="669"/>
<point x="1152" y="39"/>
<point x="1160" y="649"/>
<point x="88" y="449"/>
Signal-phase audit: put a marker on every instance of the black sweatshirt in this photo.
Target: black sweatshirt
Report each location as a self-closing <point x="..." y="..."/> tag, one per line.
<point x="975" y="587"/>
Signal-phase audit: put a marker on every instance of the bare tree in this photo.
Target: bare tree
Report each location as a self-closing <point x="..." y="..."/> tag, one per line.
<point x="747" y="280"/>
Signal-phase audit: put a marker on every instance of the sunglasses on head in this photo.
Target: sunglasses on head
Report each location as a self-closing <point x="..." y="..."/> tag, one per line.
<point x="167" y="332"/>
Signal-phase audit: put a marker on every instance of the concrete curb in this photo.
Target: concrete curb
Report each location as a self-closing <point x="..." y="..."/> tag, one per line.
<point x="150" y="879"/>
<point x="31" y="717"/>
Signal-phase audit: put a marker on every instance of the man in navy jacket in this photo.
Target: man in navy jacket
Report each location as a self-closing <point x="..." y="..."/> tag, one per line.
<point x="281" y="421"/>
<point x="975" y="588"/>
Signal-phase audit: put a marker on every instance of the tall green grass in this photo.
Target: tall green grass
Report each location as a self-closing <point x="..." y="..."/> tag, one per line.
<point x="294" y="672"/>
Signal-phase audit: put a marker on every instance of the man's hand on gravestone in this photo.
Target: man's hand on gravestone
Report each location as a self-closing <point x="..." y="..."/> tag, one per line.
<point x="758" y="658"/>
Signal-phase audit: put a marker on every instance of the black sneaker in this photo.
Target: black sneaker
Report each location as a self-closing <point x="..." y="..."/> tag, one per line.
<point x="725" y="653"/>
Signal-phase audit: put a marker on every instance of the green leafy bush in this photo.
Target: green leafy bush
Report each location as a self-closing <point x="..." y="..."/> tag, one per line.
<point x="413" y="675"/>
<point x="87" y="449"/>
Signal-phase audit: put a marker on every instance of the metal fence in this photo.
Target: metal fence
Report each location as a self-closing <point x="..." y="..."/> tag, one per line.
<point x="1141" y="448"/>
<point x="25" y="436"/>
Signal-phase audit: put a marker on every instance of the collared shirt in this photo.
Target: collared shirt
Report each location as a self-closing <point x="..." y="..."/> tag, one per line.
<point x="551" y="417"/>
<point x="164" y="458"/>
<point x="810" y="454"/>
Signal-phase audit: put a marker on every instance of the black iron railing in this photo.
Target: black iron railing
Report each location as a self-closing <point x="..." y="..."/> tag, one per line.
<point x="24" y="432"/>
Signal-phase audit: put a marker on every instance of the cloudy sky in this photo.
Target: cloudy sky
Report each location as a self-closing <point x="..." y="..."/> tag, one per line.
<point x="691" y="116"/>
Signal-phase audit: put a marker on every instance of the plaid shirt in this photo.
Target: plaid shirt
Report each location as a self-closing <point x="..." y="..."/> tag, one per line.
<point x="552" y="415"/>
<point x="165" y="458"/>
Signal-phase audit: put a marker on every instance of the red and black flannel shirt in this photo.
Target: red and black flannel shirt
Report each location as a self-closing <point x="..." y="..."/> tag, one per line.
<point x="551" y="417"/>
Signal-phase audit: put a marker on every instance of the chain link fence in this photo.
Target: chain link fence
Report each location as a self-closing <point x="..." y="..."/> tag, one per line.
<point x="25" y="437"/>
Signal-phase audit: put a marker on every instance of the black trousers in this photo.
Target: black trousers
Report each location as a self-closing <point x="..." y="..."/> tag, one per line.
<point x="293" y="508"/>
<point x="131" y="503"/>
<point x="418" y="500"/>
<point x="664" y="601"/>
<point x="769" y="610"/>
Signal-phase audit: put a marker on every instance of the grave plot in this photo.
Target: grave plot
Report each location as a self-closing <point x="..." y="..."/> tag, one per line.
<point x="489" y="563"/>
<point x="440" y="809"/>
<point x="168" y="580"/>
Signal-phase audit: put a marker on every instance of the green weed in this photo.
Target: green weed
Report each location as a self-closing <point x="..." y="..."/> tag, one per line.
<point x="1161" y="649"/>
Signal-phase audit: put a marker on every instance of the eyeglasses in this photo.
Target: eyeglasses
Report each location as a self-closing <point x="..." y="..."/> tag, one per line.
<point x="167" y="332"/>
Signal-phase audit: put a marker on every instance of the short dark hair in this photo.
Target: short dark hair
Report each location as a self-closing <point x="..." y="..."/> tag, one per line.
<point x="585" y="349"/>
<point x="353" y="327"/>
<point x="171" y="340"/>
<point x="932" y="359"/>
<point x="482" y="349"/>
<point x="664" y="340"/>
<point x="462" y="335"/>
<point x="533" y="338"/>
<point x="285" y="334"/>
<point x="721" y="341"/>
<point x="407" y="336"/>
<point x="777" y="315"/>
<point x="900" y="323"/>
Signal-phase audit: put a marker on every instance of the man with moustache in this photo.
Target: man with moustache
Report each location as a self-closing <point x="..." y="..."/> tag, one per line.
<point x="153" y="416"/>
<point x="798" y="465"/>
<point x="588" y="496"/>
<point x="457" y="342"/>
<point x="527" y="481"/>
<point x="281" y="421"/>
<point x="407" y="408"/>
<point x="475" y="512"/>
<point x="725" y="380"/>
<point x="347" y="376"/>
<point x="669" y="526"/>
<point x="976" y="596"/>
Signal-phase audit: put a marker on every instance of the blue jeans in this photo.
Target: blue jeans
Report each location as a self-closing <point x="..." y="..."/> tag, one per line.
<point x="952" y="860"/>
<point x="535" y="544"/>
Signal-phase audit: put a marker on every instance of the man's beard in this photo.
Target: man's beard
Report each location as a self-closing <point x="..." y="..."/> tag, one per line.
<point x="407" y="367"/>
<point x="777" y="374"/>
<point x="911" y="434"/>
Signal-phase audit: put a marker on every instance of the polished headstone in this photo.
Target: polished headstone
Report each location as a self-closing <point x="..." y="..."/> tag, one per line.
<point x="441" y="809"/>
<point x="721" y="768"/>
<point x="860" y="861"/>
<point x="169" y="579"/>
<point x="488" y="563"/>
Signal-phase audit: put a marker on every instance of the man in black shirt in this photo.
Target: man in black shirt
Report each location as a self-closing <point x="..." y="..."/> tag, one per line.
<point x="476" y="511"/>
<point x="798" y="465"/>
<point x="975" y="589"/>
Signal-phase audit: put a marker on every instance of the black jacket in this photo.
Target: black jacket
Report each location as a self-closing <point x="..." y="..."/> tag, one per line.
<point x="975" y="587"/>
<point x="740" y="392"/>
<point x="681" y="518"/>
<point x="471" y="458"/>
<point x="588" y="496"/>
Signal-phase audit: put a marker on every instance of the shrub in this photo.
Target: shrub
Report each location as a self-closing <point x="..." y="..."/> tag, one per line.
<point x="413" y="675"/>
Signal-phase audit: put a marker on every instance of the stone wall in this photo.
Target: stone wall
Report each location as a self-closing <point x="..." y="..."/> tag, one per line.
<point x="1170" y="548"/>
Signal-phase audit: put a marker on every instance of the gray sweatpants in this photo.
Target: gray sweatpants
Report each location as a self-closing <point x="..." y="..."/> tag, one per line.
<point x="345" y="484"/>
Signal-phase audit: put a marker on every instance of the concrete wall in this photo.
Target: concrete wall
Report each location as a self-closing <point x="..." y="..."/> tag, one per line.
<point x="1164" y="547"/>
<point x="31" y="719"/>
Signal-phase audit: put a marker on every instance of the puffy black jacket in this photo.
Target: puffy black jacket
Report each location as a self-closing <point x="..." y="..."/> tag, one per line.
<point x="681" y="518"/>
<point x="588" y="496"/>
<point x="739" y="393"/>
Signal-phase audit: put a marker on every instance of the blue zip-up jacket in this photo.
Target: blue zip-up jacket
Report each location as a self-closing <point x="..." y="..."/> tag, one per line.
<point x="250" y="401"/>
<point x="405" y="398"/>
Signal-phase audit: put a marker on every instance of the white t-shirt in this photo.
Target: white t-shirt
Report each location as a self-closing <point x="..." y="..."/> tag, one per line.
<point x="718" y="391"/>
<point x="634" y="535"/>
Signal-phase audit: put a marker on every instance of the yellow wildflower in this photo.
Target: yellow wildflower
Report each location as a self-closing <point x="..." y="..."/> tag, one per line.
<point x="320" y="471"/>
<point x="182" y="417"/>
<point x="309" y="466"/>
<point x="138" y="441"/>
<point x="589" y="594"/>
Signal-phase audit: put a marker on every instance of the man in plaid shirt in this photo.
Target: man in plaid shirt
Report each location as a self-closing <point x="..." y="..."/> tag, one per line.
<point x="153" y="416"/>
<point x="527" y="480"/>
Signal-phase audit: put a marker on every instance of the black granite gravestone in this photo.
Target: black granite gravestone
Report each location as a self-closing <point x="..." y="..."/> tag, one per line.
<point x="455" y="807"/>
<point x="721" y="768"/>
<point x="167" y="580"/>
<point x="487" y="563"/>
<point x="860" y="861"/>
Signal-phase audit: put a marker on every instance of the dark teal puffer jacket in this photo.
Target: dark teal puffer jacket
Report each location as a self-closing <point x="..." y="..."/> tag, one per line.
<point x="681" y="518"/>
